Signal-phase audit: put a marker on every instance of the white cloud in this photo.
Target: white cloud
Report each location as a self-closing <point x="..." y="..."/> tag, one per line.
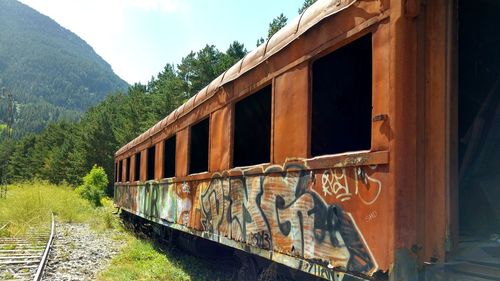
<point x="87" y="17"/>
<point x="161" y="5"/>
<point x="105" y="25"/>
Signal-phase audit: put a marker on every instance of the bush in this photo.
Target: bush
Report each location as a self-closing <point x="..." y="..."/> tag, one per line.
<point x="94" y="186"/>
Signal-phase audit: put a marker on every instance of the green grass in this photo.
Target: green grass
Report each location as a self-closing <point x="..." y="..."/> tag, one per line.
<point x="141" y="260"/>
<point x="103" y="218"/>
<point x="29" y="205"/>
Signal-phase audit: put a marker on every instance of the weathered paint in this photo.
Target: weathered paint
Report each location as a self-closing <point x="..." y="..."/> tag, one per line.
<point x="407" y="204"/>
<point x="310" y="215"/>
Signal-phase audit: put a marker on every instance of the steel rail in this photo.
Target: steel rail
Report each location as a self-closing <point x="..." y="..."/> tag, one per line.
<point x="43" y="262"/>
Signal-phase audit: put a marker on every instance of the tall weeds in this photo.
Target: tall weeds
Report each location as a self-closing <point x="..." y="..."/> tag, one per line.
<point x="29" y="204"/>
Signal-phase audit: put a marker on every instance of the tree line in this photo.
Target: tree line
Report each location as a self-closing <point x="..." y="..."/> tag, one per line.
<point x="66" y="150"/>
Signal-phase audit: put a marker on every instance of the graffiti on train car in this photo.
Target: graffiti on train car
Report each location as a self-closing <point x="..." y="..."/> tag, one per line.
<point x="282" y="209"/>
<point x="336" y="182"/>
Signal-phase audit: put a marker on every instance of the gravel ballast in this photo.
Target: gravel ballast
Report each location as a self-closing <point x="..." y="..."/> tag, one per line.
<point x="79" y="253"/>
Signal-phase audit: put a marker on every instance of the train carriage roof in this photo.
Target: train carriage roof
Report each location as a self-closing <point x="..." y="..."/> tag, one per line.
<point x="310" y="17"/>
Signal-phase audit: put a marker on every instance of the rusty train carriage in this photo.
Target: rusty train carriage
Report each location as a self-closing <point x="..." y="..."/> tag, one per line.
<point x="366" y="186"/>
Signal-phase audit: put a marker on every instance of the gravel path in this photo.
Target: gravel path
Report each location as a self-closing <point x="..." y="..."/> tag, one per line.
<point x="79" y="253"/>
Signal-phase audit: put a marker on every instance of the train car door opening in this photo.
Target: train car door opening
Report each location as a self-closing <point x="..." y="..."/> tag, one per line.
<point x="478" y="130"/>
<point x="479" y="118"/>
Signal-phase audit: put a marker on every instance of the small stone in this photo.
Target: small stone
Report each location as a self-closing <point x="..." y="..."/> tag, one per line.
<point x="78" y="253"/>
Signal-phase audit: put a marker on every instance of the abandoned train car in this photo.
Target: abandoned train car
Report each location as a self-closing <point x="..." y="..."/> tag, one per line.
<point x="360" y="141"/>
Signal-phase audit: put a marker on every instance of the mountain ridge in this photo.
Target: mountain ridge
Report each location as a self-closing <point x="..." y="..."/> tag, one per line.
<point x="42" y="62"/>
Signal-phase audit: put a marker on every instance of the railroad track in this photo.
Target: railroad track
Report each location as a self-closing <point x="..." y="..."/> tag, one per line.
<point x="24" y="258"/>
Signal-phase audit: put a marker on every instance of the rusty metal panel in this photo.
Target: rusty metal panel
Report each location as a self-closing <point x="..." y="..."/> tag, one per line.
<point x="159" y="160"/>
<point x="132" y="171"/>
<point x="253" y="58"/>
<point x="251" y="82"/>
<point x="212" y="88"/>
<point x="232" y="72"/>
<point x="156" y="128"/>
<point x="189" y="105"/>
<point x="224" y="95"/>
<point x="220" y="139"/>
<point x="291" y="114"/>
<point x="158" y="136"/>
<point x="201" y="96"/>
<point x="124" y="171"/>
<point x="181" y="153"/>
<point x="144" y="162"/>
<point x="438" y="196"/>
<point x="276" y="42"/>
<point x="381" y="130"/>
<point x="403" y="140"/>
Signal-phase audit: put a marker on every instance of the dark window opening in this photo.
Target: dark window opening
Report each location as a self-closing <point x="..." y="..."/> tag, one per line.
<point x="478" y="118"/>
<point x="342" y="99"/>
<point x="252" y="129"/>
<point x="198" y="150"/>
<point x="151" y="163"/>
<point x="169" y="157"/>
<point x="138" y="166"/>
<point x="116" y="171"/>
<point x="127" y="171"/>
<point x="120" y="169"/>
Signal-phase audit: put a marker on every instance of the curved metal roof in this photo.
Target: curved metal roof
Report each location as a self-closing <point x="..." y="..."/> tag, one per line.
<point x="311" y="16"/>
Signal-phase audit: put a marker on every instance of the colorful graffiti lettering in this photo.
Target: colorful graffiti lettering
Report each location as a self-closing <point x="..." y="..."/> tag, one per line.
<point x="282" y="209"/>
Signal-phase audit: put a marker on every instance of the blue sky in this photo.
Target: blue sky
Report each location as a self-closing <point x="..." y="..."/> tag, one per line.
<point x="138" y="37"/>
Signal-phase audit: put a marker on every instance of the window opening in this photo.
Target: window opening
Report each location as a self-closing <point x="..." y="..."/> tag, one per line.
<point x="169" y="157"/>
<point x="127" y="171"/>
<point x="252" y="129"/>
<point x="120" y="169"/>
<point x="342" y="99"/>
<point x="138" y="166"/>
<point x="198" y="150"/>
<point x="151" y="163"/>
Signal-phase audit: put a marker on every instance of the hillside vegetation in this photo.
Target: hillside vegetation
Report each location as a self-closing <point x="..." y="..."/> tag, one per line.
<point x="52" y="73"/>
<point x="65" y="151"/>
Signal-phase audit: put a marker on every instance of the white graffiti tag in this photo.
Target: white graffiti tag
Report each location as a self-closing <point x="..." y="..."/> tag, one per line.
<point x="335" y="183"/>
<point x="367" y="182"/>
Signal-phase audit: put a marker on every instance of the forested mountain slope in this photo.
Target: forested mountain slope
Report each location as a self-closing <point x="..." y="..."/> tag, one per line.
<point x="51" y="72"/>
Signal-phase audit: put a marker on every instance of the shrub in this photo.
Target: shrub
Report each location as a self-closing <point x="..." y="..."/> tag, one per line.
<point x="94" y="185"/>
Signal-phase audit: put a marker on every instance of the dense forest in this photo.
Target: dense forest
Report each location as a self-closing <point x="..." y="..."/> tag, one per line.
<point x="51" y="73"/>
<point x="65" y="151"/>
